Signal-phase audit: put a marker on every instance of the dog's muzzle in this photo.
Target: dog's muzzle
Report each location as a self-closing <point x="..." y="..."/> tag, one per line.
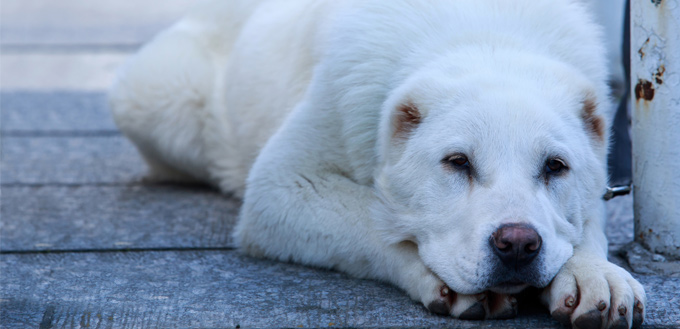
<point x="516" y="248"/>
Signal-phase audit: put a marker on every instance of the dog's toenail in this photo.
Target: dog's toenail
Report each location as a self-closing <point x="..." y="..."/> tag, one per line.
<point x="621" y="323"/>
<point x="445" y="291"/>
<point x="622" y="310"/>
<point x="637" y="314"/>
<point x="438" y="307"/>
<point x="569" y="302"/>
<point x="601" y="306"/>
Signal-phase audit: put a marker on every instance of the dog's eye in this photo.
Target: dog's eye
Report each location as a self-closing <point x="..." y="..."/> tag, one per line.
<point x="459" y="161"/>
<point x="555" y="166"/>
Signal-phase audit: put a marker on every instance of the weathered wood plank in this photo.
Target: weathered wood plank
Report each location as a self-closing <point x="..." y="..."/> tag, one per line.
<point x="223" y="289"/>
<point x="31" y="113"/>
<point x="114" y="217"/>
<point x="70" y="160"/>
<point x="204" y="289"/>
<point x="52" y="70"/>
<point x="83" y="22"/>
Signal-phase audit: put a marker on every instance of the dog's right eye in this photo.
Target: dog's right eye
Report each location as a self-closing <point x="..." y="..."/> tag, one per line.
<point x="457" y="161"/>
<point x="555" y="166"/>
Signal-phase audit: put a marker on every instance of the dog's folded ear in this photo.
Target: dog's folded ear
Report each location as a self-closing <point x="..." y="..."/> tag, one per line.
<point x="401" y="116"/>
<point x="594" y="123"/>
<point x="405" y="118"/>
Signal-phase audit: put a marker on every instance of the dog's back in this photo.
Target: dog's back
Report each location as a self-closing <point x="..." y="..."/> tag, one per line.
<point x="161" y="95"/>
<point x="202" y="98"/>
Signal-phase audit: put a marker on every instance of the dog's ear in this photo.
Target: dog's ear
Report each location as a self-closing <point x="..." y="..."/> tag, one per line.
<point x="405" y="119"/>
<point x="401" y="117"/>
<point x="594" y="123"/>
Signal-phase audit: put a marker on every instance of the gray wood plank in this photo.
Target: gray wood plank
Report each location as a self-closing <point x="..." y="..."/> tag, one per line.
<point x="70" y="160"/>
<point x="205" y="289"/>
<point x="114" y="217"/>
<point x="76" y="71"/>
<point x="209" y="289"/>
<point x="34" y="113"/>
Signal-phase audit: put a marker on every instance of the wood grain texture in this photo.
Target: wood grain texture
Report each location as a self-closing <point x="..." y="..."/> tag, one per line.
<point x="222" y="289"/>
<point x="70" y="160"/>
<point x="206" y="289"/>
<point x="115" y="218"/>
<point x="55" y="113"/>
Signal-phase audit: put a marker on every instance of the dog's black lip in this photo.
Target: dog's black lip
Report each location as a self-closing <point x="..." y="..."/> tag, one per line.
<point x="510" y="286"/>
<point x="511" y="283"/>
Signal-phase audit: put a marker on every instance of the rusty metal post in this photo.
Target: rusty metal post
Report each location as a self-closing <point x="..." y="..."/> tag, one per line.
<point x="655" y="79"/>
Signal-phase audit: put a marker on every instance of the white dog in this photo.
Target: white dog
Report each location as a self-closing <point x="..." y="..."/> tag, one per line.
<point x="453" y="148"/>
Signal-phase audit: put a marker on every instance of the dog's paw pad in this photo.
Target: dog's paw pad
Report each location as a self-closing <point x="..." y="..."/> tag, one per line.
<point x="439" y="307"/>
<point x="590" y="320"/>
<point x="475" y="312"/>
<point x="563" y="313"/>
<point x="621" y="323"/>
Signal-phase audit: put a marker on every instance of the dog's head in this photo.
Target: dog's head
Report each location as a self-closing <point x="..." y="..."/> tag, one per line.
<point x="492" y="174"/>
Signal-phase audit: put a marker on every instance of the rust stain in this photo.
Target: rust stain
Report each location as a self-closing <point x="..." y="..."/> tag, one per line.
<point x="644" y="89"/>
<point x="659" y="74"/>
<point x="641" y="51"/>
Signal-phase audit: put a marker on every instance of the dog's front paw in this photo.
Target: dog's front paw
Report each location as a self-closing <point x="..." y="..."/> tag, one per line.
<point x="487" y="305"/>
<point x="590" y="292"/>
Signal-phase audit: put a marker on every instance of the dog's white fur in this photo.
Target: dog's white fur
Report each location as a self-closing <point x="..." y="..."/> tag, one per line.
<point x="341" y="112"/>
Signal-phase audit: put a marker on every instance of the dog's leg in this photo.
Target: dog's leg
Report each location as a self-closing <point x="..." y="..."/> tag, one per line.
<point x="296" y="209"/>
<point x="591" y="292"/>
<point x="168" y="98"/>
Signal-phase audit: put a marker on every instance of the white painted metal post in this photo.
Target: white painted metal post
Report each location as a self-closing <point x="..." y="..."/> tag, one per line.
<point x="655" y="79"/>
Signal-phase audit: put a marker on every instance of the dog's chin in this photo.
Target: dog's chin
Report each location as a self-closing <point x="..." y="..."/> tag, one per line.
<point x="509" y="287"/>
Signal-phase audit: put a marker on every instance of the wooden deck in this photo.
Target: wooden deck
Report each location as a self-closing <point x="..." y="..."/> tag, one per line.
<point x="85" y="243"/>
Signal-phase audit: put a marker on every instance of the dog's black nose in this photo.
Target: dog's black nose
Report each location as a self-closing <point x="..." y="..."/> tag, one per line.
<point x="516" y="244"/>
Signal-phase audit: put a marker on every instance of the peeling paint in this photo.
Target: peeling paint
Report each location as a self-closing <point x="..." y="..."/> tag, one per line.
<point x="659" y="74"/>
<point x="641" y="51"/>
